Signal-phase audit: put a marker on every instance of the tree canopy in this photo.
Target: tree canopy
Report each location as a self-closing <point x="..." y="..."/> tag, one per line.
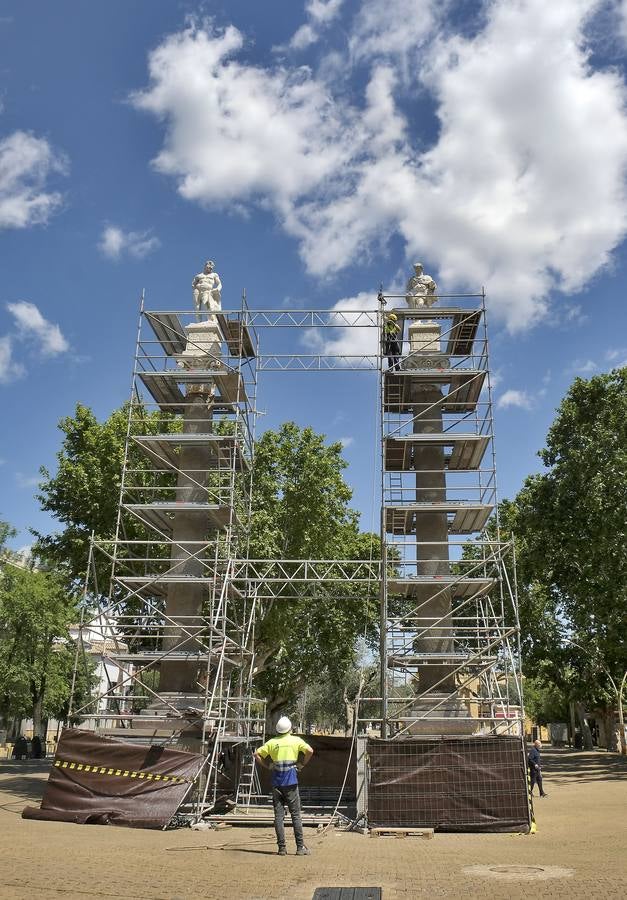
<point x="571" y="523"/>
<point x="83" y="493"/>
<point x="36" y="653"/>
<point x="300" y="510"/>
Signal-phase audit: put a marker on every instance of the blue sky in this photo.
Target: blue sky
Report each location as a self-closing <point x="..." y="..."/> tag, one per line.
<point x="314" y="150"/>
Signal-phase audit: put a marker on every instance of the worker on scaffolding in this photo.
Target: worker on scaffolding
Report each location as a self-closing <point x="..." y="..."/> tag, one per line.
<point x="280" y="754"/>
<point x="392" y="341"/>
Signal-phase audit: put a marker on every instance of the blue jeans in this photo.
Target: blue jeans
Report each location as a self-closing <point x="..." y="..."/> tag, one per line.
<point x="282" y="796"/>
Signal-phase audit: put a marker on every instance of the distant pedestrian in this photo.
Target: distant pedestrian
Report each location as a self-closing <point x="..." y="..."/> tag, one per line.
<point x="280" y="754"/>
<point x="392" y="346"/>
<point x="535" y="767"/>
<point x="36" y="747"/>
<point x="20" y="748"/>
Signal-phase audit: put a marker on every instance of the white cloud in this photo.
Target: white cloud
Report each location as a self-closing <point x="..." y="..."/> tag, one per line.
<point x="346" y="340"/>
<point x="621" y="9"/>
<point x="395" y="29"/>
<point x="26" y="164"/>
<point x="115" y="243"/>
<point x="320" y="13"/>
<point x="346" y="442"/>
<point x="27" y="481"/>
<point x="585" y="367"/>
<point x="9" y="369"/>
<point x="31" y="323"/>
<point x="236" y="132"/>
<point x="617" y="357"/>
<point x="510" y="398"/>
<point x="304" y="37"/>
<point x="523" y="117"/>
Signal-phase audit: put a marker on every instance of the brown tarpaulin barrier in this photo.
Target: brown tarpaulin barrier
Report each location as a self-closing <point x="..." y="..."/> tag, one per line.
<point x="449" y="783"/>
<point x="98" y="781"/>
<point x="327" y="767"/>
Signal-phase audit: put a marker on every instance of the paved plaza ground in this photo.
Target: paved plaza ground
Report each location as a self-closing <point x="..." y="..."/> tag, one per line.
<point x="580" y="850"/>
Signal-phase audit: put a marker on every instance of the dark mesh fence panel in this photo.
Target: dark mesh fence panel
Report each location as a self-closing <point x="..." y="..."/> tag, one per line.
<point x="449" y="783"/>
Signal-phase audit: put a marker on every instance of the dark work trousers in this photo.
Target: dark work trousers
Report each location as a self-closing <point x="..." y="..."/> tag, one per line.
<point x="536" y="778"/>
<point x="392" y="349"/>
<point x="287" y="796"/>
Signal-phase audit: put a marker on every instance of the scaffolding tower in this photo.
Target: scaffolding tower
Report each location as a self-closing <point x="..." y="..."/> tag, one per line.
<point x="449" y="622"/>
<point x="175" y="621"/>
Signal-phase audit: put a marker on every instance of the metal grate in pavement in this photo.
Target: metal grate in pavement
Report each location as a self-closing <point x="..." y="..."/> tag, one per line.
<point x="347" y="893"/>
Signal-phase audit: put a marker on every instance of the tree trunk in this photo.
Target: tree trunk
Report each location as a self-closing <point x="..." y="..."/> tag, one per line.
<point x="349" y="706"/>
<point x="274" y="711"/>
<point x="585" y="728"/>
<point x="621" y="717"/>
<point x="609" y="727"/>
<point x="38" y="703"/>
<point x="573" y="723"/>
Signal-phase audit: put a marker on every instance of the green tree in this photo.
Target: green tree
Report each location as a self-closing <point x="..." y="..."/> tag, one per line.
<point x="544" y="700"/>
<point x="36" y="653"/>
<point x="330" y="703"/>
<point x="301" y="511"/>
<point x="84" y="492"/>
<point x="6" y="533"/>
<point x="571" y="525"/>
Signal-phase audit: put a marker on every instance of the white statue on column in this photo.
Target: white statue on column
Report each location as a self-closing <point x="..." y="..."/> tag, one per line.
<point x="207" y="290"/>
<point x="203" y="348"/>
<point x="421" y="288"/>
<point x="424" y="337"/>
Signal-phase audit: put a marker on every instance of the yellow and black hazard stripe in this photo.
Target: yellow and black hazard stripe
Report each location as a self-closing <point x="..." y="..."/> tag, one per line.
<point x="533" y="828"/>
<point x="121" y="773"/>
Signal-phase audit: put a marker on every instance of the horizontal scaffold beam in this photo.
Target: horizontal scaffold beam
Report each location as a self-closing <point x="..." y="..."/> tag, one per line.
<point x="286" y="571"/>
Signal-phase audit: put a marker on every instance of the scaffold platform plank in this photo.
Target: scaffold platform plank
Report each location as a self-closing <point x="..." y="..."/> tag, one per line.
<point x="148" y="656"/>
<point x="463" y="517"/>
<point x="434" y="312"/>
<point x="161" y="515"/>
<point x="230" y="384"/>
<point x="157" y="585"/>
<point x="164" y="391"/>
<point x="168" y="331"/>
<point x="460" y="587"/>
<point x="467" y="450"/>
<point x="236" y="335"/>
<point x="451" y="660"/>
<point x="463" y="333"/>
<point x="163" y="449"/>
<point x="463" y="394"/>
<point x="171" y="578"/>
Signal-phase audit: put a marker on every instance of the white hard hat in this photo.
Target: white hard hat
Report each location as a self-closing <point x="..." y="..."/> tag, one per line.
<point x="283" y="725"/>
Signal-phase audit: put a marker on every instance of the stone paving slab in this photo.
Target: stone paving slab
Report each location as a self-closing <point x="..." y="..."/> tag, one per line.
<point x="580" y="850"/>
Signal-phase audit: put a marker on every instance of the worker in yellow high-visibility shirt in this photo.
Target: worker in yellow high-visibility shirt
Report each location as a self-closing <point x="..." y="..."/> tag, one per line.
<point x="280" y="754"/>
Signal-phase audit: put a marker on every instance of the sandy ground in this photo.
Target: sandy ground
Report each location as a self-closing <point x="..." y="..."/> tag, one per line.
<point x="580" y="850"/>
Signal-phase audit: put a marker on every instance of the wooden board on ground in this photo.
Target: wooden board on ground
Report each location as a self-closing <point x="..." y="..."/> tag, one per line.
<point x="426" y="833"/>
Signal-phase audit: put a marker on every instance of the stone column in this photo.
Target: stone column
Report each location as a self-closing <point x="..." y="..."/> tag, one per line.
<point x="184" y="602"/>
<point x="432" y="552"/>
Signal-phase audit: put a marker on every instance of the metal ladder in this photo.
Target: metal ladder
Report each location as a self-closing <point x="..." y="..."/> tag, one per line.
<point x="249" y="787"/>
